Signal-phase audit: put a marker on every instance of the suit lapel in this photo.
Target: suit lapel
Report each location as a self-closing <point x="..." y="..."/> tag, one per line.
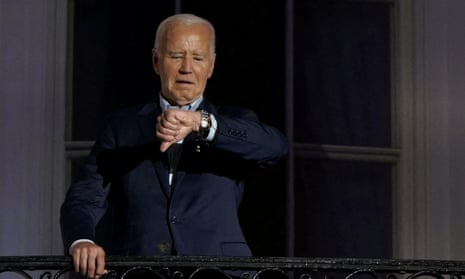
<point x="147" y="123"/>
<point x="162" y="175"/>
<point x="177" y="180"/>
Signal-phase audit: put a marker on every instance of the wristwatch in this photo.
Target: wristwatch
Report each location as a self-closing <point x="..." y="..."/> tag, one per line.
<point x="205" y="124"/>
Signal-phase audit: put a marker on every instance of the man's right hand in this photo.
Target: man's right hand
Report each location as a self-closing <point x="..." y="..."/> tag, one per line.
<point x="88" y="259"/>
<point x="174" y="125"/>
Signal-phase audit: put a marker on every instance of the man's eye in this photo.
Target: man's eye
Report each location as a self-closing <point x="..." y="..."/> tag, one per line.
<point x="176" y="56"/>
<point x="198" y="58"/>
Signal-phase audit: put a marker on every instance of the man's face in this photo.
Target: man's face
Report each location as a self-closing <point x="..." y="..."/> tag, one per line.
<point x="184" y="62"/>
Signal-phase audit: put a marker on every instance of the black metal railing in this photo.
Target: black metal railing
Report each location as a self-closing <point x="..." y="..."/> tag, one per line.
<point x="236" y="267"/>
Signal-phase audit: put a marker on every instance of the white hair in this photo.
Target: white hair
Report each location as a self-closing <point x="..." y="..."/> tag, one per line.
<point x="186" y="19"/>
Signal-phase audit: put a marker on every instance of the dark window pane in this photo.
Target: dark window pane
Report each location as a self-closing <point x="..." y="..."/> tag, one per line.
<point x="112" y="64"/>
<point x="343" y="209"/>
<point x="342" y="73"/>
<point x="249" y="68"/>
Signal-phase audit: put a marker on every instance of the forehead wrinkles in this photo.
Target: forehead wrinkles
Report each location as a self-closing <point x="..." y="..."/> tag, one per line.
<point x="188" y="38"/>
<point x="186" y="43"/>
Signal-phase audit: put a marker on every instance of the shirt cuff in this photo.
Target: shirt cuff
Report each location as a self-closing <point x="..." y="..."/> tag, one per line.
<point x="214" y="126"/>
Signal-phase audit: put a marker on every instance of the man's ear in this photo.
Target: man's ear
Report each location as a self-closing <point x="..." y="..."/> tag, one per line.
<point x="212" y="66"/>
<point x="155" y="60"/>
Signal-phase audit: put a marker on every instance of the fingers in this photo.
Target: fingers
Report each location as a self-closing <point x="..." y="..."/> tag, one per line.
<point x="165" y="145"/>
<point x="177" y="119"/>
<point x="167" y="126"/>
<point x="100" y="268"/>
<point x="166" y="133"/>
<point x="174" y="125"/>
<point x="167" y="136"/>
<point x="171" y="117"/>
<point x="89" y="260"/>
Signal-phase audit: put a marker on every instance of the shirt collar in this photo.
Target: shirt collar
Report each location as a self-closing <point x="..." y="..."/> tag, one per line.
<point x="192" y="106"/>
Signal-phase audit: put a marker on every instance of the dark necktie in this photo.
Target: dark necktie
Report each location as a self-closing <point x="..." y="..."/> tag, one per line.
<point x="174" y="155"/>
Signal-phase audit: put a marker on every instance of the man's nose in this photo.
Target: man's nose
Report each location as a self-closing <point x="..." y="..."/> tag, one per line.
<point x="186" y="65"/>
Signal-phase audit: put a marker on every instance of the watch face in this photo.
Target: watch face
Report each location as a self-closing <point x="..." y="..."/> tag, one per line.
<point x="204" y="123"/>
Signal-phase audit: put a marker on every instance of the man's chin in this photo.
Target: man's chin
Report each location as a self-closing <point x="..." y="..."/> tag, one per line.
<point x="184" y="97"/>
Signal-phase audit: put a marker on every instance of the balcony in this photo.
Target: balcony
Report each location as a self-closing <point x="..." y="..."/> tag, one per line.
<point x="237" y="267"/>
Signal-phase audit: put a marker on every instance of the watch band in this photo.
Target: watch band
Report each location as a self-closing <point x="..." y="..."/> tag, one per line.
<point x="205" y="124"/>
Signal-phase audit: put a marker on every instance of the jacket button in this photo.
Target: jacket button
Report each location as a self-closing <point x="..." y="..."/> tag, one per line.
<point x="173" y="219"/>
<point x="164" y="247"/>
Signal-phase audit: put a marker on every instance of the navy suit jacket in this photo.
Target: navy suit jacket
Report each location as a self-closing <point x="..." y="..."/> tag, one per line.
<point x="122" y="199"/>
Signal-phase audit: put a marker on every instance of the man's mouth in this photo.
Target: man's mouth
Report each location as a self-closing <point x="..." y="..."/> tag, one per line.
<point x="184" y="82"/>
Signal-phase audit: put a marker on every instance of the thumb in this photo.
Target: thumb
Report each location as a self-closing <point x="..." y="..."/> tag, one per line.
<point x="165" y="145"/>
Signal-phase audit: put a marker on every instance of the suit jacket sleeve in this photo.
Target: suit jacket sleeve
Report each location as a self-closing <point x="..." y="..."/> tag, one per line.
<point x="85" y="202"/>
<point x="241" y="133"/>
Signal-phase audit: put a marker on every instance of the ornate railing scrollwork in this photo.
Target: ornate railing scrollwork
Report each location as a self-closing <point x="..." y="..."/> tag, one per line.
<point x="179" y="267"/>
